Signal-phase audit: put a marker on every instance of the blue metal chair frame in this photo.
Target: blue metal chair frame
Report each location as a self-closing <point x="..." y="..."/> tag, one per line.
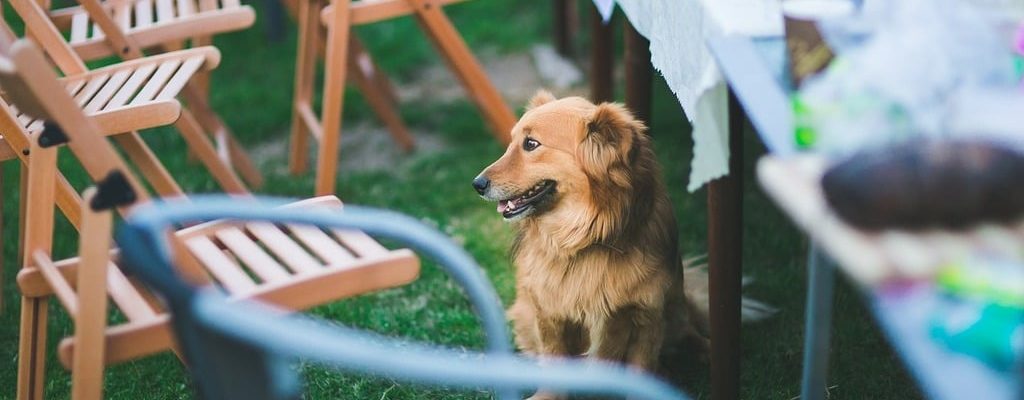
<point x="242" y="350"/>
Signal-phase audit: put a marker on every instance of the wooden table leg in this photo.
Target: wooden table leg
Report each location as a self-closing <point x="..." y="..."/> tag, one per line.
<point x="725" y="263"/>
<point x="563" y="26"/>
<point x="638" y="73"/>
<point x="601" y="59"/>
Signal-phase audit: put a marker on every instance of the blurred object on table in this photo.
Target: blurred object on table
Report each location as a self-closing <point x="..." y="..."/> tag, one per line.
<point x="926" y="184"/>
<point x="808" y="52"/>
<point x="898" y="66"/>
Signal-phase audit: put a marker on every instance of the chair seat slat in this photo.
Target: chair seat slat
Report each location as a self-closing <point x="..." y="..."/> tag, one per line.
<point x="131" y="86"/>
<point x="321" y="244"/>
<point x="126" y="297"/>
<point x="143" y="13"/>
<point x="74" y="87"/>
<point x="180" y="78"/>
<point x="108" y="91"/>
<point x="360" y="243"/>
<point x="289" y="252"/>
<point x="261" y="263"/>
<point x="156" y="82"/>
<point x="79" y="27"/>
<point x="223" y="269"/>
<point x="90" y="89"/>
<point x="164" y="10"/>
<point x="186" y="8"/>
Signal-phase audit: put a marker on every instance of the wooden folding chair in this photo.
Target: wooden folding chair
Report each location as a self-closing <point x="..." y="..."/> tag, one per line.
<point x="119" y="117"/>
<point x="164" y="82"/>
<point x="339" y="18"/>
<point x="294" y="267"/>
<point x="125" y="28"/>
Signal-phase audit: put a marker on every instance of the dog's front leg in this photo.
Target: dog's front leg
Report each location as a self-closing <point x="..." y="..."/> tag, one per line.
<point x="631" y="335"/>
<point x="559" y="338"/>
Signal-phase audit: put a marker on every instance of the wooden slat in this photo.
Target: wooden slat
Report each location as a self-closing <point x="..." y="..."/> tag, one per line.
<point x="79" y="27"/>
<point x="108" y="90"/>
<point x="126" y="296"/>
<point x="97" y="32"/>
<point x="222" y="268"/>
<point x="61" y="287"/>
<point x="123" y="15"/>
<point x="90" y="89"/>
<point x="180" y="78"/>
<point x="321" y="244"/>
<point x="261" y="263"/>
<point x="186" y="8"/>
<point x="156" y="82"/>
<point x="360" y="243"/>
<point x="143" y="13"/>
<point x="164" y="10"/>
<point x="74" y="87"/>
<point x="289" y="252"/>
<point x="130" y="87"/>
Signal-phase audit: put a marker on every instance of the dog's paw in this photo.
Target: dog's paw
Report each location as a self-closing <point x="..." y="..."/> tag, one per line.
<point x="542" y="395"/>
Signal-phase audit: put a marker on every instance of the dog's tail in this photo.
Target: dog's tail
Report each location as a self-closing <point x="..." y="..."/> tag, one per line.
<point x="695" y="281"/>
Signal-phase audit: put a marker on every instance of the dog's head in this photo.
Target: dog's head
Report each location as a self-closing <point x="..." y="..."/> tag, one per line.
<point x="565" y="154"/>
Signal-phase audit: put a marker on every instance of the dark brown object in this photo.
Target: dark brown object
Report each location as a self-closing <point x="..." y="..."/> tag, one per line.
<point x="928" y="184"/>
<point x="808" y="52"/>
<point x="564" y="27"/>
<point x="639" y="74"/>
<point x="725" y="263"/>
<point x="601" y="58"/>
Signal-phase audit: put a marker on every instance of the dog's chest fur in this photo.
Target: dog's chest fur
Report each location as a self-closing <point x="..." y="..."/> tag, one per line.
<point x="591" y="284"/>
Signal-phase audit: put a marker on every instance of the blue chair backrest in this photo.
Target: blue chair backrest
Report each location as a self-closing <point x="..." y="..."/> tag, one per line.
<point x="245" y="350"/>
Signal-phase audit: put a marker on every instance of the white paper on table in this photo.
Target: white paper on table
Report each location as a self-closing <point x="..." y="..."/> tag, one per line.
<point x="758" y="18"/>
<point x="605" y="8"/>
<point x="677" y="30"/>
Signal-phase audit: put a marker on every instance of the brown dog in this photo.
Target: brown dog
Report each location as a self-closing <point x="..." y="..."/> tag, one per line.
<point x="597" y="256"/>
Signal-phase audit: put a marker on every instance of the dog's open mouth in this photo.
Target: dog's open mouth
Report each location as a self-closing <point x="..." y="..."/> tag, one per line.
<point x="519" y="204"/>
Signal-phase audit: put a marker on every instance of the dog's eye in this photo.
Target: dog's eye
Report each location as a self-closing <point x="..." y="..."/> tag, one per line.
<point x="530" y="144"/>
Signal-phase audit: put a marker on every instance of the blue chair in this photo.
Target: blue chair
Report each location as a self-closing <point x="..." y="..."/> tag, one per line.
<point x="243" y="350"/>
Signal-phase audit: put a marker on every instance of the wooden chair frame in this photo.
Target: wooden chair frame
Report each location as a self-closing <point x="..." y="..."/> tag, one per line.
<point x="308" y="267"/>
<point x="194" y="122"/>
<point x="339" y="18"/>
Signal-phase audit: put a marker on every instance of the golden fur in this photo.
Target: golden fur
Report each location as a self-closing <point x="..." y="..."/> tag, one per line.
<point x="598" y="269"/>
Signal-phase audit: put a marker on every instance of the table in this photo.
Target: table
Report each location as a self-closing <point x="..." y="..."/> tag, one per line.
<point x="704" y="98"/>
<point x="752" y="68"/>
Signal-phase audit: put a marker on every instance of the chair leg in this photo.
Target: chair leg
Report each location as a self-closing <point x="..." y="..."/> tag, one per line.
<point x="820" y="284"/>
<point x="228" y="147"/>
<point x="380" y="79"/>
<point x="200" y="144"/>
<point x="365" y="74"/>
<point x="335" y="66"/>
<point x="305" y="76"/>
<point x="147" y="162"/>
<point x="91" y="319"/>
<point x="448" y="41"/>
<point x="32" y="348"/>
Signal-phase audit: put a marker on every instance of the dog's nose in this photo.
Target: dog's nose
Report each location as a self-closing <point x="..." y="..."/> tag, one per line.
<point x="481" y="183"/>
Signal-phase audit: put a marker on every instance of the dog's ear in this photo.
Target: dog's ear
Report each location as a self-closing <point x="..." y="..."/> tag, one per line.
<point x="611" y="133"/>
<point x="540" y="98"/>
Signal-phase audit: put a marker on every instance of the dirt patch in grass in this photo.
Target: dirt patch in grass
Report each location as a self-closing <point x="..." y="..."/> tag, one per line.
<point x="367" y="146"/>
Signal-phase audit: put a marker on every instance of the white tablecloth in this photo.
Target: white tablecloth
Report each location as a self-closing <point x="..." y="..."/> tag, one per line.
<point x="677" y="30"/>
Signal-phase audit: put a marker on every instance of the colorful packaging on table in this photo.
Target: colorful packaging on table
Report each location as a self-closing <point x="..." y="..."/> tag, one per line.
<point x="898" y="64"/>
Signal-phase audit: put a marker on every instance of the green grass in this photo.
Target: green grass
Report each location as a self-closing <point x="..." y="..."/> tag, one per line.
<point x="252" y="90"/>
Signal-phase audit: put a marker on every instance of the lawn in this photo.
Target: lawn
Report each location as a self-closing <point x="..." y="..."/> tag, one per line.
<point x="252" y="89"/>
